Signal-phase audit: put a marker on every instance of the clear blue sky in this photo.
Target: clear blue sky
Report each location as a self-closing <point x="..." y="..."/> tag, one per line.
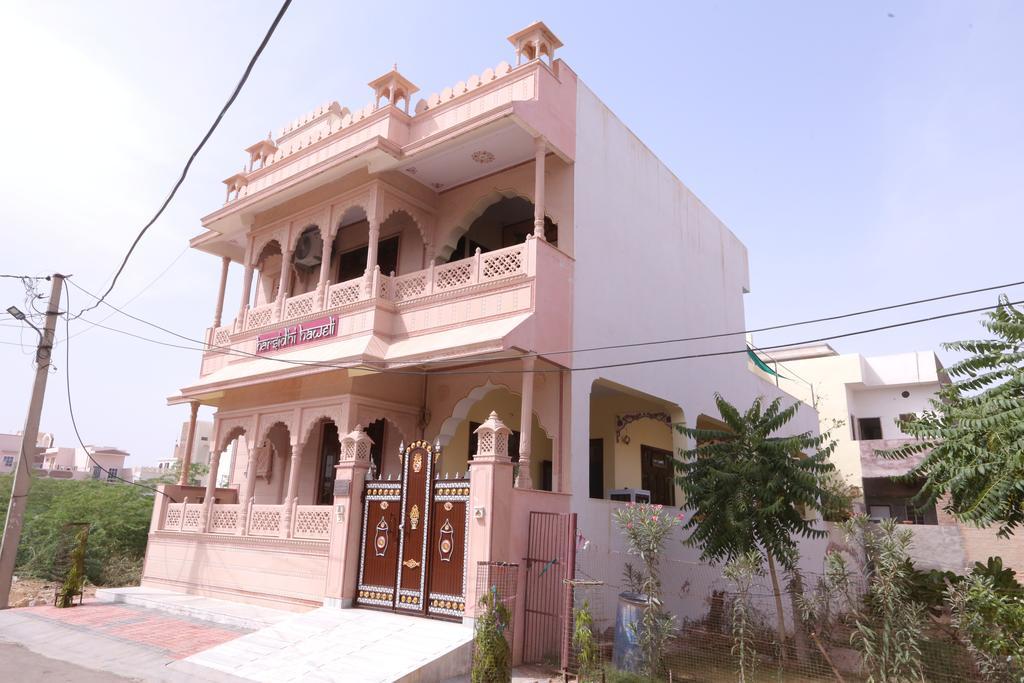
<point x="866" y="152"/>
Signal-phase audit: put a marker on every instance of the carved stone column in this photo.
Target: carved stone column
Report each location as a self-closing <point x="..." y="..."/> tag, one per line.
<point x="294" y="469"/>
<point x="346" y="521"/>
<point x="490" y="498"/>
<point x="248" y="486"/>
<point x="371" y="248"/>
<point x="246" y="287"/>
<point x="283" y="282"/>
<point x="325" y="269"/>
<point x="540" y="151"/>
<point x="211" y="489"/>
<point x="525" y="479"/>
<point x="218" y="313"/>
<point x="186" y="460"/>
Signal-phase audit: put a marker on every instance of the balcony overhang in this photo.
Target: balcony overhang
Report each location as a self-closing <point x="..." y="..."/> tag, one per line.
<point x="365" y="354"/>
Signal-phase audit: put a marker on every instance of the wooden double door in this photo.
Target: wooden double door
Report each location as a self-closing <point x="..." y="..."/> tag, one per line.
<point x="413" y="549"/>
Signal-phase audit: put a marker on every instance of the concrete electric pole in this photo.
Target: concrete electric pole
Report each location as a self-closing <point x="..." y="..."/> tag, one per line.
<point x="22" y="472"/>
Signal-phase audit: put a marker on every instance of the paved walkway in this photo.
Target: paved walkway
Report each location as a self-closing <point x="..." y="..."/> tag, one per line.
<point x="351" y="645"/>
<point x="226" y="612"/>
<point x="121" y="639"/>
<point x="165" y="641"/>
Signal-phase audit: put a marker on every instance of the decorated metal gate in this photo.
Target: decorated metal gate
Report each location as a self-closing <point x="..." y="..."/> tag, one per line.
<point x="413" y="551"/>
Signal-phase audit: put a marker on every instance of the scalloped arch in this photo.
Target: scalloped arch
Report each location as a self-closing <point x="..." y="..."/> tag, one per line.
<point x="461" y="410"/>
<point x="447" y="243"/>
<point x="257" y="253"/>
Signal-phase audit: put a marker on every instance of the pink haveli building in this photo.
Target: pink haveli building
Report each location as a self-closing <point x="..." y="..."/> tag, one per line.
<point x="396" y="381"/>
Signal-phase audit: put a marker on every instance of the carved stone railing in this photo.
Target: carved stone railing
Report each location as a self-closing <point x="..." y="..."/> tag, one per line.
<point x="308" y="522"/>
<point x="312" y="521"/>
<point x="260" y="316"/>
<point x="344" y="293"/>
<point x="494" y="266"/>
<point x="224" y="519"/>
<point x="174" y="517"/>
<point x="298" y="306"/>
<point x="265" y="520"/>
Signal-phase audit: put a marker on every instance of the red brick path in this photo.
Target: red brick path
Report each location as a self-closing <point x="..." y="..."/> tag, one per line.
<point x="178" y="637"/>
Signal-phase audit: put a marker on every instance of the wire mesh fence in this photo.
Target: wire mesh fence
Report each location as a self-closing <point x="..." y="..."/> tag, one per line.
<point x="715" y="624"/>
<point x="499" y="580"/>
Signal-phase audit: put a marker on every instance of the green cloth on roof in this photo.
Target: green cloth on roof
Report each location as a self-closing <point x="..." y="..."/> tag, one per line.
<point x="761" y="364"/>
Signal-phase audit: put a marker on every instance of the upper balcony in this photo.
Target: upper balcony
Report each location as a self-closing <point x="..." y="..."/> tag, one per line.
<point x="479" y="304"/>
<point x="494" y="112"/>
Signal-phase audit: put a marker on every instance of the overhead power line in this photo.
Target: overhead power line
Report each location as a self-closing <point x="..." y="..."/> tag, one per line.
<point x="228" y="350"/>
<point x="195" y="153"/>
<point x="71" y="408"/>
<point x="645" y="361"/>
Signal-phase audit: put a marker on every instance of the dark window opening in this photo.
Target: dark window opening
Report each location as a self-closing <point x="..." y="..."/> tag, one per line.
<point x="352" y="264"/>
<point x="505" y="223"/>
<point x="870" y="428"/>
<point x="330" y="450"/>
<point x="656" y="472"/>
<point x="375" y="430"/>
<point x="597" y="468"/>
<point x="885" y="498"/>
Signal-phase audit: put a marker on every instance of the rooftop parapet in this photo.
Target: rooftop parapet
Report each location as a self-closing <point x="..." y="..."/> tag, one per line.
<point x="392" y="91"/>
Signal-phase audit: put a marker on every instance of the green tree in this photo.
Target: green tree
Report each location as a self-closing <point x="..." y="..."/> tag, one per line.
<point x="973" y="436"/>
<point x="118" y="515"/>
<point x="751" y="491"/>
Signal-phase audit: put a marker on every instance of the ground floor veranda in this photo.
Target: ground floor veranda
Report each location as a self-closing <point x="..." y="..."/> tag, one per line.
<point x="282" y="530"/>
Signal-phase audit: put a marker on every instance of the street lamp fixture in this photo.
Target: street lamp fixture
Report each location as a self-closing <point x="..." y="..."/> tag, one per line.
<point x="16" y="312"/>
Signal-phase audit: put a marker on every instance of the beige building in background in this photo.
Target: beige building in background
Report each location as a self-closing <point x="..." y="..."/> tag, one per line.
<point x="862" y="399"/>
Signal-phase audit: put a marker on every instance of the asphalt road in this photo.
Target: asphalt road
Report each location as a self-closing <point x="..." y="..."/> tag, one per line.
<point x="19" y="665"/>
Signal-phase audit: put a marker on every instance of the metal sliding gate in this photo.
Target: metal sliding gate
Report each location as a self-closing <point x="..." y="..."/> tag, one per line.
<point x="550" y="565"/>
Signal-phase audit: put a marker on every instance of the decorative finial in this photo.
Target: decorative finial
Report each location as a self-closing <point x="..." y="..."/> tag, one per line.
<point x="394" y="66"/>
<point x="401" y="447"/>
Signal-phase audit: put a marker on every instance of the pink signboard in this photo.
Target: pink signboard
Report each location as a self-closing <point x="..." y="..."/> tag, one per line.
<point x="298" y="334"/>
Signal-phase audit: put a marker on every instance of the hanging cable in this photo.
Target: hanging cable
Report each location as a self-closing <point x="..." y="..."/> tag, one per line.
<point x="195" y="153"/>
<point x="646" y="361"/>
<point x="71" y="407"/>
<point x="230" y="351"/>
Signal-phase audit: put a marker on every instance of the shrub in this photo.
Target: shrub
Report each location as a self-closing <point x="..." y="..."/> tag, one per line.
<point x="118" y="515"/>
<point x="491" y="658"/>
<point x="991" y="624"/>
<point x="585" y="644"/>
<point x="646" y="528"/>
<point x="742" y="571"/>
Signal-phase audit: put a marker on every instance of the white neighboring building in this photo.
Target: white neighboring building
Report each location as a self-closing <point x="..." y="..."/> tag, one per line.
<point x="868" y="395"/>
<point x="200" y="447"/>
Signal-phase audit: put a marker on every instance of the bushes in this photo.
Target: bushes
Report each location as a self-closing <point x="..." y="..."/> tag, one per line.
<point x="991" y="623"/>
<point x="492" y="661"/>
<point x="118" y="515"/>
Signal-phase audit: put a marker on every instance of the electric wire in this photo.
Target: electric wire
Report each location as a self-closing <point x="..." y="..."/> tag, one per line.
<point x="71" y="407"/>
<point x="142" y="291"/>
<point x="195" y="153"/>
<point x="484" y="357"/>
<point x="469" y="360"/>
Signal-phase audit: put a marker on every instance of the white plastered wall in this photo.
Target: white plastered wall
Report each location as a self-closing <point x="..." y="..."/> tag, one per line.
<point x="652" y="263"/>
